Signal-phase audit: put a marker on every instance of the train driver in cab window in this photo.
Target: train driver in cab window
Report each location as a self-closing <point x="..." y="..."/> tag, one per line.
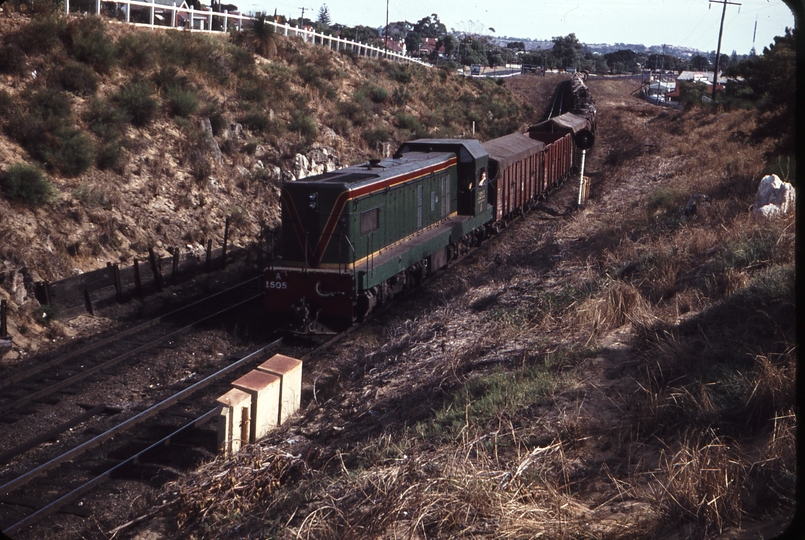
<point x="482" y="181"/>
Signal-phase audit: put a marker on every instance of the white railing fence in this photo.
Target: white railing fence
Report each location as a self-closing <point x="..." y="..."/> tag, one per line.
<point x="155" y="15"/>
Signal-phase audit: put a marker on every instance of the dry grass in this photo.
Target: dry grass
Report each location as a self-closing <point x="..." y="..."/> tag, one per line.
<point x="625" y="373"/>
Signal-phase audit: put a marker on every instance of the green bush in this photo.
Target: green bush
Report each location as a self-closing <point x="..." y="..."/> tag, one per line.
<point x="409" y="122"/>
<point x="136" y="50"/>
<point x="181" y="102"/>
<point x="105" y="119"/>
<point x="110" y="155"/>
<point x="26" y="183"/>
<point x="400" y="73"/>
<point x="252" y="92"/>
<point x="167" y="76"/>
<point x="136" y="98"/>
<point x="47" y="131"/>
<point x="259" y="122"/>
<point x="13" y="60"/>
<point x="41" y="35"/>
<point x="6" y="103"/>
<point x="77" y="78"/>
<point x="305" y="125"/>
<point x="72" y="152"/>
<point x="378" y="94"/>
<point x="89" y="43"/>
<point x="375" y="136"/>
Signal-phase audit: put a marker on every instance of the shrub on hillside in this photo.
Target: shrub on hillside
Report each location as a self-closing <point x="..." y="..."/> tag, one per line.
<point x="13" y="60"/>
<point x="305" y="125"/>
<point x="409" y="122"/>
<point x="110" y="155"/>
<point x="23" y="182"/>
<point x="88" y="42"/>
<point x="375" y="136"/>
<point x="72" y="152"/>
<point x="77" y="78"/>
<point x="181" y="102"/>
<point x="6" y="104"/>
<point x="136" y="99"/>
<point x="41" y="35"/>
<point x="105" y="119"/>
<point x="136" y="50"/>
<point x="168" y="76"/>
<point x="259" y="122"/>
<point x="399" y="72"/>
<point x="44" y="126"/>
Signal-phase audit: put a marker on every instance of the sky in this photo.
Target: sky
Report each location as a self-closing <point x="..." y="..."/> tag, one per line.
<point x="686" y="23"/>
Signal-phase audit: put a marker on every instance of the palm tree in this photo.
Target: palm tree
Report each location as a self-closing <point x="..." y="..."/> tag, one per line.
<point x="264" y="36"/>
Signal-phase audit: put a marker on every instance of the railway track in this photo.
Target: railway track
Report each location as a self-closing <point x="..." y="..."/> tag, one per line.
<point x="54" y="476"/>
<point x="50" y="408"/>
<point x="40" y="383"/>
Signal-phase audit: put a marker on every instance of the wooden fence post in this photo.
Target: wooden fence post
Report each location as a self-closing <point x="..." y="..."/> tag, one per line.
<point x="175" y="269"/>
<point x="226" y="238"/>
<point x="3" y="318"/>
<point x="138" y="281"/>
<point x="46" y="285"/>
<point x="209" y="256"/>
<point x="260" y="247"/>
<point x="155" y="268"/>
<point x="88" y="302"/>
<point x="115" y="268"/>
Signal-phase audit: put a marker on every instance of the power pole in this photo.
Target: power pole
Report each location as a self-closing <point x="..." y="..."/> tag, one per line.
<point x="387" y="27"/>
<point x="302" y="19"/>
<point x="720" y="32"/>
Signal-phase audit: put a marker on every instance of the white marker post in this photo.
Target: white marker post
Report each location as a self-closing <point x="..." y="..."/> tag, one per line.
<point x="581" y="178"/>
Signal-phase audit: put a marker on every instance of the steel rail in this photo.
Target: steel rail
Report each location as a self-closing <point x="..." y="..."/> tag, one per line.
<point x="66" y="499"/>
<point x="113" y="361"/>
<point x="10" y="380"/>
<point x="134" y="420"/>
<point x="5" y="457"/>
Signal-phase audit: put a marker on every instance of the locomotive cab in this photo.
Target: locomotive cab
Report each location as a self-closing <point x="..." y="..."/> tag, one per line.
<point x="472" y="169"/>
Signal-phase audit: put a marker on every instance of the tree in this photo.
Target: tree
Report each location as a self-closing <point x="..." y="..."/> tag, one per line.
<point x="450" y="44"/>
<point x="622" y="61"/>
<point x="265" y="42"/>
<point x="430" y="27"/>
<point x="413" y="42"/>
<point x="772" y="78"/>
<point x="567" y="51"/>
<point x="699" y="63"/>
<point x="324" y="15"/>
<point x="516" y="45"/>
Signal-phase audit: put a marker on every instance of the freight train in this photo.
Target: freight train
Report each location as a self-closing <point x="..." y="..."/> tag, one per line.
<point x="354" y="238"/>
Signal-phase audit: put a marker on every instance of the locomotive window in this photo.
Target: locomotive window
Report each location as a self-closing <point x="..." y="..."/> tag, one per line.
<point x="370" y="221"/>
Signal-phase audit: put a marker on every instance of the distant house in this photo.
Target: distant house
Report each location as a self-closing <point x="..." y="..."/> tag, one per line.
<point x="396" y="46"/>
<point x="429" y="46"/>
<point x="705" y="77"/>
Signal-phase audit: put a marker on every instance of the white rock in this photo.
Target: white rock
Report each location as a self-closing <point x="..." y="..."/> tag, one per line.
<point x="301" y="166"/>
<point x="775" y="193"/>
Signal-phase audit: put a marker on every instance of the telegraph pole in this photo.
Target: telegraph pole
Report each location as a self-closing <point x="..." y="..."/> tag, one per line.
<point x="302" y="19"/>
<point x="720" y="33"/>
<point x="387" y="27"/>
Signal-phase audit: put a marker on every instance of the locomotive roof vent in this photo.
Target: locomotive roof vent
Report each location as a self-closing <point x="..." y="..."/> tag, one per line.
<point x="374" y="162"/>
